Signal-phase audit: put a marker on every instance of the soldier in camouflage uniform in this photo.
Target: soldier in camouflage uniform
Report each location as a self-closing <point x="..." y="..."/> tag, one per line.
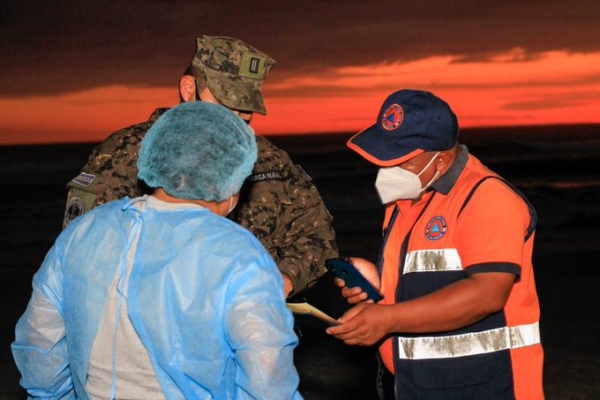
<point x="278" y="203"/>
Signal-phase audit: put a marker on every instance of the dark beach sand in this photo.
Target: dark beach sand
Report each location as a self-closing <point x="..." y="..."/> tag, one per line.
<point x="556" y="169"/>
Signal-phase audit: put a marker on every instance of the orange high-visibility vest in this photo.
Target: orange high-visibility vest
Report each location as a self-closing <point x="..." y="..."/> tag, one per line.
<point x="480" y="225"/>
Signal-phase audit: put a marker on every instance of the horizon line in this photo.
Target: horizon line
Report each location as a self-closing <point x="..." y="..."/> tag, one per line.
<point x="329" y="133"/>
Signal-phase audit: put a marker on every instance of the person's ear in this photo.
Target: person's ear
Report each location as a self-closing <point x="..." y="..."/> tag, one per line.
<point x="187" y="88"/>
<point x="444" y="161"/>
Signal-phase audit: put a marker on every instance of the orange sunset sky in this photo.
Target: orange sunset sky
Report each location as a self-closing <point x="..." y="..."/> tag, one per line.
<point x="68" y="76"/>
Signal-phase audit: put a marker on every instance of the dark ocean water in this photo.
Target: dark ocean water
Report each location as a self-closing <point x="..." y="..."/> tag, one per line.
<point x="555" y="166"/>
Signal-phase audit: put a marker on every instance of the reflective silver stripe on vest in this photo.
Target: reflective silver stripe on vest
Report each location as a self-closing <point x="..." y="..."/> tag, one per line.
<point x="469" y="344"/>
<point x="432" y="261"/>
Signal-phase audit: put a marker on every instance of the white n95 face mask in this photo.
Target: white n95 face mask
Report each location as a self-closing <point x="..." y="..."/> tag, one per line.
<point x="395" y="183"/>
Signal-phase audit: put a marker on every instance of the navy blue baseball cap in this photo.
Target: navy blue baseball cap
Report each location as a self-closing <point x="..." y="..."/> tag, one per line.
<point x="409" y="123"/>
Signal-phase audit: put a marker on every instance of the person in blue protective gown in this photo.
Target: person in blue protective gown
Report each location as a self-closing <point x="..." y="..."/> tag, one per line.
<point x="161" y="296"/>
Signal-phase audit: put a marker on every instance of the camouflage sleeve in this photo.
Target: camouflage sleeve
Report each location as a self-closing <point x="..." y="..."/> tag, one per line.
<point x="281" y="206"/>
<point x="110" y="173"/>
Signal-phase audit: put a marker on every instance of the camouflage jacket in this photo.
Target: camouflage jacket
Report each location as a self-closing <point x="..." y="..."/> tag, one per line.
<point x="278" y="203"/>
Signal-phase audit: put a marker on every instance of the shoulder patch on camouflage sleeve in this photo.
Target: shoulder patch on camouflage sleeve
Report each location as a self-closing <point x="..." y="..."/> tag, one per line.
<point x="266" y="176"/>
<point x="75" y="208"/>
<point x="84" y="179"/>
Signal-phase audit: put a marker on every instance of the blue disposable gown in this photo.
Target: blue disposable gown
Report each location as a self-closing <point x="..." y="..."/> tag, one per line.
<point x="204" y="296"/>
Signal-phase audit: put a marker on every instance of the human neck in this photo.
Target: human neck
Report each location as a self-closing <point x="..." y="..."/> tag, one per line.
<point x="212" y="206"/>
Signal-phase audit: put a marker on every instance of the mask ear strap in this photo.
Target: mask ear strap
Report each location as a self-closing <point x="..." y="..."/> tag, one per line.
<point x="231" y="205"/>
<point x="429" y="163"/>
<point x="431" y="181"/>
<point x="437" y="173"/>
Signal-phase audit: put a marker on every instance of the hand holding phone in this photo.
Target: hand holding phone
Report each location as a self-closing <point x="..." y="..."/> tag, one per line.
<point x="343" y="269"/>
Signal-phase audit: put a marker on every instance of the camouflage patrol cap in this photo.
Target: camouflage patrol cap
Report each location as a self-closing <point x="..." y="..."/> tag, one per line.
<point x="233" y="71"/>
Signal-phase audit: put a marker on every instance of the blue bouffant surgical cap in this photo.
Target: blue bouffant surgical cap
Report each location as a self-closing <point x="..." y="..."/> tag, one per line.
<point x="197" y="150"/>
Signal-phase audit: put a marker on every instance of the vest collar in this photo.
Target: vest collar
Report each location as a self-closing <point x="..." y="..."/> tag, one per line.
<point x="448" y="180"/>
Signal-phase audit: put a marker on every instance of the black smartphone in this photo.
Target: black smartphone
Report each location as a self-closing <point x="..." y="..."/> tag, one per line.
<point x="342" y="268"/>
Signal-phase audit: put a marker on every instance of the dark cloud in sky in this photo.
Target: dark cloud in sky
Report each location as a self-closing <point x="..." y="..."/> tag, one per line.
<point x="49" y="46"/>
<point x="556" y="102"/>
